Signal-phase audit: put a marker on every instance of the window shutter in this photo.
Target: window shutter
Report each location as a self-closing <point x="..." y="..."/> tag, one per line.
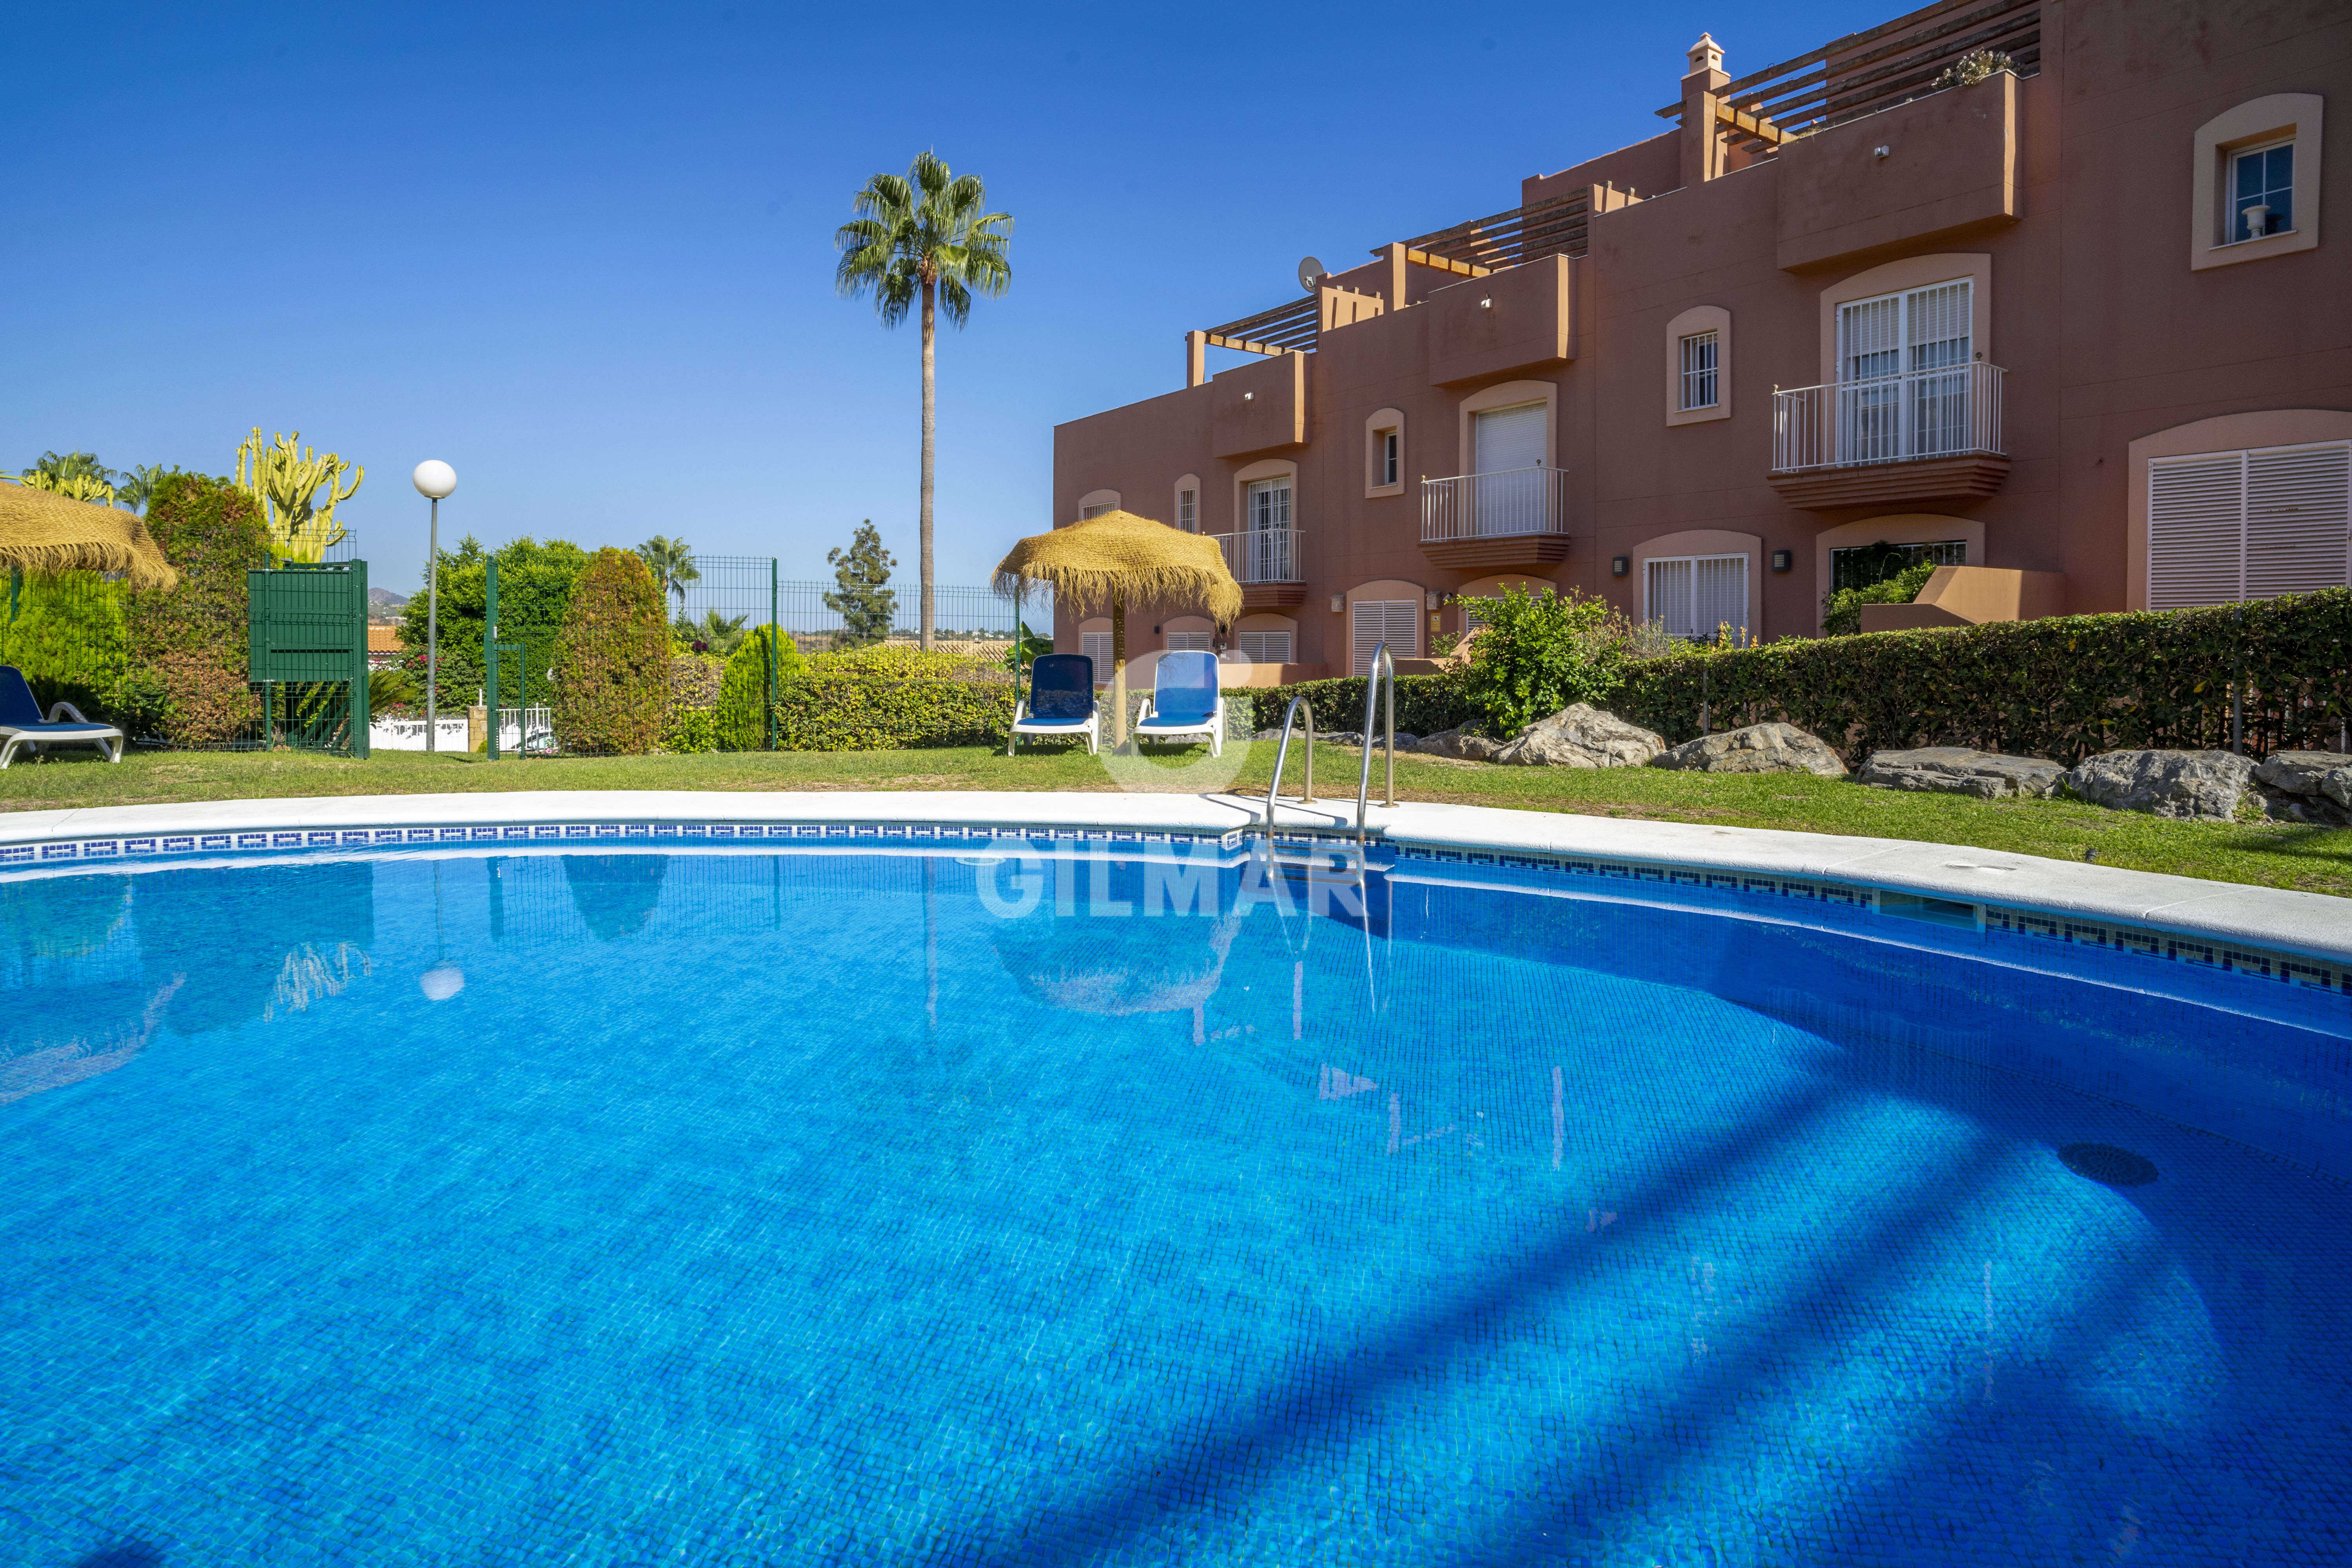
<point x="1095" y="645"/>
<point x="2298" y="512"/>
<point x="2196" y="531"/>
<point x="1510" y="439"/>
<point x="1266" y="647"/>
<point x="1719" y="593"/>
<point x="1390" y="621"/>
<point x="1666" y="596"/>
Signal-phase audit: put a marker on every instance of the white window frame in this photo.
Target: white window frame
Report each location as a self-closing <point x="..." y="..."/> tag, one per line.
<point x="1267" y="645"/>
<point x="1190" y="642"/>
<point x="1699" y="378"/>
<point x="1392" y="457"/>
<point x="2232" y="213"/>
<point x="1188" y="509"/>
<point x="1277" y="515"/>
<point x="1651" y="612"/>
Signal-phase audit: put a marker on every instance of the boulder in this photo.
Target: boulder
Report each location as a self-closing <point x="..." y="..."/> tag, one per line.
<point x="1460" y="745"/>
<point x="1581" y="736"/>
<point x="1960" y="769"/>
<point x="2200" y="785"/>
<point x="2307" y="786"/>
<point x="1772" y="748"/>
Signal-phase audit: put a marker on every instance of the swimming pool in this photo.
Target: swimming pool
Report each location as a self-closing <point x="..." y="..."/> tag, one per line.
<point x="1041" y="1201"/>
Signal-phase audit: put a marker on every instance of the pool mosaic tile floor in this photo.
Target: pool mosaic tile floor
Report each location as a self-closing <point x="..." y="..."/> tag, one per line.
<point x="763" y="1209"/>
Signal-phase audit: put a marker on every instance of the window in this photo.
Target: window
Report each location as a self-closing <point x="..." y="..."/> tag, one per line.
<point x="1265" y="646"/>
<point x="1695" y="596"/>
<point x="1699" y="371"/>
<point x="1860" y="565"/>
<point x="2227" y="526"/>
<point x="2262" y="191"/>
<point x="1097" y="508"/>
<point x="1190" y="642"/>
<point x="1384" y="452"/>
<point x="1391" y="443"/>
<point x="1903" y="374"/>
<point x="1188" y="510"/>
<point x="1396" y="622"/>
<point x="1095" y="645"/>
<point x="1269" y="504"/>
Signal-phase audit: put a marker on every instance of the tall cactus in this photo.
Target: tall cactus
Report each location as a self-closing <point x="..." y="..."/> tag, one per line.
<point x="286" y="480"/>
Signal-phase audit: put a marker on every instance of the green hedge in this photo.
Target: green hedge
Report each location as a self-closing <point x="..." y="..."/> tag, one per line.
<point x="885" y="698"/>
<point x="1425" y="704"/>
<point x="612" y="660"/>
<point x="188" y="644"/>
<point x="2062" y="688"/>
<point x="65" y="631"/>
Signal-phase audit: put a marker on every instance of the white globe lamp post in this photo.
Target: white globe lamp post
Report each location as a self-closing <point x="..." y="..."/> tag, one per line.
<point x="434" y="480"/>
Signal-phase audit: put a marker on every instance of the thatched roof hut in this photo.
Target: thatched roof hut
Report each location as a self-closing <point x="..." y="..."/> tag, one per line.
<point x="1118" y="559"/>
<point x="42" y="531"/>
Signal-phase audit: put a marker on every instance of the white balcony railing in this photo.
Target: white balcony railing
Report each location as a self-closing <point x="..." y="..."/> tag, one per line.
<point x="1481" y="506"/>
<point x="1262" y="556"/>
<point x="1949" y="413"/>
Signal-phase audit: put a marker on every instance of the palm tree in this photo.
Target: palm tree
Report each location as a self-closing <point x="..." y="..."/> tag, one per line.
<point x="924" y="235"/>
<point x="671" y="561"/>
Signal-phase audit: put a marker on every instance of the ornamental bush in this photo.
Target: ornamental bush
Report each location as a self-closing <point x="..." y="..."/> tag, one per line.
<point x="889" y="696"/>
<point x="65" y="631"/>
<point x="742" y="709"/>
<point x="1425" y="704"/>
<point x="1841" y="611"/>
<point x="1540" y="652"/>
<point x="535" y="583"/>
<point x="2063" y="687"/>
<point x="612" y="659"/>
<point x="194" y="636"/>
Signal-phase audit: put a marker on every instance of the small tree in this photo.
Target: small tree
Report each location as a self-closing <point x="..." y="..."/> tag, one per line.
<point x="191" y="641"/>
<point x="1537" y="653"/>
<point x="743" y="689"/>
<point x="671" y="561"/>
<point x="612" y="660"/>
<point x="866" y="606"/>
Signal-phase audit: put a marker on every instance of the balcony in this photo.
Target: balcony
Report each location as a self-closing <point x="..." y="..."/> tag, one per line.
<point x="1489" y="523"/>
<point x="1266" y="562"/>
<point x="1924" y="435"/>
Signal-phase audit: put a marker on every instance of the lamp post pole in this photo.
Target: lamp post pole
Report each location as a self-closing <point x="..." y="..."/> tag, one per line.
<point x="434" y="480"/>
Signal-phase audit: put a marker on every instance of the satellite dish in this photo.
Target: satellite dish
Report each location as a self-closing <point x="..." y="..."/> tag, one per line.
<point x="1310" y="274"/>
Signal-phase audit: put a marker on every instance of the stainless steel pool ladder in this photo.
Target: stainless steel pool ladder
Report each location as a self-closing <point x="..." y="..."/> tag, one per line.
<point x="1299" y="704"/>
<point x="1383" y="662"/>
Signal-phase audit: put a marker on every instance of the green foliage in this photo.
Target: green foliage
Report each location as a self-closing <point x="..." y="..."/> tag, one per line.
<point x="881" y="698"/>
<point x="285" y="479"/>
<point x="612" y="659"/>
<point x="721" y="635"/>
<point x="1540" y="652"/>
<point x="78" y="475"/>
<point x="1975" y="66"/>
<point x="135" y="487"/>
<point x="194" y="636"/>
<point x="2062" y="688"/>
<point x="65" y="631"/>
<point x="920" y="231"/>
<point x="1027" y="647"/>
<point x="1425" y="704"/>
<point x="864" y="606"/>
<point x="1841" y="611"/>
<point x="393" y="689"/>
<point x="742" y="712"/>
<point x="535" y="583"/>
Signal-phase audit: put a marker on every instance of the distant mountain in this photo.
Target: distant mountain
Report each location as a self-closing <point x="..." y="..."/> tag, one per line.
<point x="386" y="598"/>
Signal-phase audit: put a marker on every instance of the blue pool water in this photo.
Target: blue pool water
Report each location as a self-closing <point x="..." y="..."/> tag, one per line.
<point x="758" y="1208"/>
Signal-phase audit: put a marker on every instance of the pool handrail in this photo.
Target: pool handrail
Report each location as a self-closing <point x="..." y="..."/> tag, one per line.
<point x="1380" y="658"/>
<point x="1282" y="754"/>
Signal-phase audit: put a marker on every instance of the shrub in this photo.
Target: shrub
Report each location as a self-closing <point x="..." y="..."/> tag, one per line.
<point x="612" y="659"/>
<point x="2063" y="687"/>
<point x="195" y="636"/>
<point x="890" y="696"/>
<point x="535" y="586"/>
<point x="1540" y="652"/>
<point x="1425" y="704"/>
<point x="742" y="702"/>
<point x="1841" y="611"/>
<point x="66" y="633"/>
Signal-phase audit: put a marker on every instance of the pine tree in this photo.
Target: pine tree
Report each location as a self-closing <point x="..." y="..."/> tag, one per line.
<point x="866" y="608"/>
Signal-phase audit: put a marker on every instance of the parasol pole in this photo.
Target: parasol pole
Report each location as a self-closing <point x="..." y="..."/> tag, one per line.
<point x="1119" y="670"/>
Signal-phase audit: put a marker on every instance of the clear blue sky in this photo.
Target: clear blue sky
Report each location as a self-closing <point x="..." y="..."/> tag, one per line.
<point x="584" y="254"/>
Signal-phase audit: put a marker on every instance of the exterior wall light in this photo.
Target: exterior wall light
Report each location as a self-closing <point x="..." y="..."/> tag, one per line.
<point x="1620" y="564"/>
<point x="1249" y="397"/>
<point x="1486" y="304"/>
<point x="1783" y="559"/>
<point x="1881" y="152"/>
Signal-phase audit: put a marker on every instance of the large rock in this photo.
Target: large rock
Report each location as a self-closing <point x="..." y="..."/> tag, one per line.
<point x="1773" y="748"/>
<point x="1959" y="770"/>
<point x="2200" y="785"/>
<point x="1583" y="736"/>
<point x="1460" y="745"/>
<point x="2307" y="786"/>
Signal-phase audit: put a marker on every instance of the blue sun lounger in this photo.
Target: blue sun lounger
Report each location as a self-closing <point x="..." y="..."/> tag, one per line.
<point x="1061" y="701"/>
<point x="1186" y="700"/>
<point x="21" y="723"/>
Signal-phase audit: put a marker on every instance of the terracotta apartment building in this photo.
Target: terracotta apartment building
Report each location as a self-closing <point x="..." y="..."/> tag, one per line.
<point x="2073" y="327"/>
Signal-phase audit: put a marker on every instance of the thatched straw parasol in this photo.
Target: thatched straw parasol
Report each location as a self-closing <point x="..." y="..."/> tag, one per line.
<point x="42" y="531"/>
<point x="1117" y="559"/>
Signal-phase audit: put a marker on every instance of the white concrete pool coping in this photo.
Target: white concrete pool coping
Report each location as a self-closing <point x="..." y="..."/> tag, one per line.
<point x="2276" y="918"/>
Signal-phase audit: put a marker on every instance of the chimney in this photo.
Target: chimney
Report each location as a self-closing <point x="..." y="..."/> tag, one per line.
<point x="1703" y="146"/>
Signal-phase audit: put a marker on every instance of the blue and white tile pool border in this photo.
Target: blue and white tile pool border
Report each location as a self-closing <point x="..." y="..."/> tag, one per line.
<point x="2270" y="935"/>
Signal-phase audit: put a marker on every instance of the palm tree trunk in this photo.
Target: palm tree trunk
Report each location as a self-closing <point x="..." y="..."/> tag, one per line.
<point x="931" y="431"/>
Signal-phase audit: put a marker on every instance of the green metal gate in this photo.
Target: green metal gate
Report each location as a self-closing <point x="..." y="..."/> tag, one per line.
<point x="306" y="651"/>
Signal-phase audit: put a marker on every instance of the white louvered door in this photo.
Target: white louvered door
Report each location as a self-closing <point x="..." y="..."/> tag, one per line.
<point x="2226" y="526"/>
<point x="1394" y="622"/>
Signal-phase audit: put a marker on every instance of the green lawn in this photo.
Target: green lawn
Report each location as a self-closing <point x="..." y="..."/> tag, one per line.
<point x="2317" y="860"/>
